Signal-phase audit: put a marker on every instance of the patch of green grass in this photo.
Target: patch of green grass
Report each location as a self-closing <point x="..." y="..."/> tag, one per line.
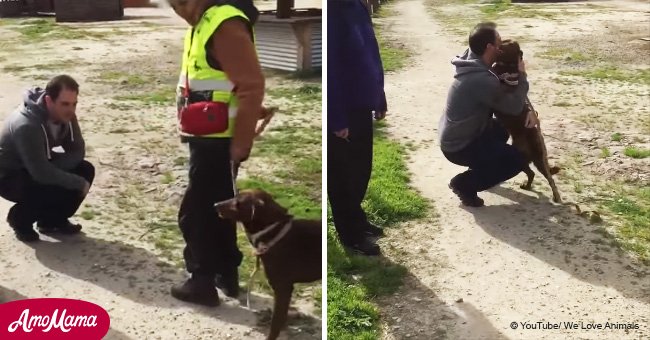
<point x="564" y="54"/>
<point x="635" y="152"/>
<point x="299" y="146"/>
<point x="165" y="96"/>
<point x="500" y="9"/>
<point x="578" y="187"/>
<point x="389" y="199"/>
<point x="633" y="207"/>
<point x="306" y="93"/>
<point x="167" y="178"/>
<point x="89" y="214"/>
<point x="181" y="161"/>
<point x="495" y="7"/>
<point x="616" y="137"/>
<point x="604" y="152"/>
<point x="394" y="55"/>
<point x="353" y="281"/>
<point x="562" y="104"/>
<point x="125" y="78"/>
<point x="120" y="130"/>
<point x="604" y="73"/>
<point x="60" y="66"/>
<point x="47" y="29"/>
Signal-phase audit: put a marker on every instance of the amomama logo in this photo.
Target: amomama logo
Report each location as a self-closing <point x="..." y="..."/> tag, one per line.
<point x="53" y="319"/>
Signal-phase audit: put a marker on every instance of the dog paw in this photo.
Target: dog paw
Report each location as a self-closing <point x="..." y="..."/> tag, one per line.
<point x="526" y="186"/>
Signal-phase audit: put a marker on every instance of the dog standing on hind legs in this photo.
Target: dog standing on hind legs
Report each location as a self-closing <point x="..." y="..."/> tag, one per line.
<point x="529" y="141"/>
<point x="290" y="249"/>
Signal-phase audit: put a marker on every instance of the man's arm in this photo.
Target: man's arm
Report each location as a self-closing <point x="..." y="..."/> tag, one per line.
<point x="338" y="33"/>
<point x="233" y="47"/>
<point x="29" y="141"/>
<point x="75" y="149"/>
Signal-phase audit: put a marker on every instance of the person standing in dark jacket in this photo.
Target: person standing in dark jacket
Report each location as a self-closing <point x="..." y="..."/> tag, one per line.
<point x="355" y="91"/>
<point x="42" y="166"/>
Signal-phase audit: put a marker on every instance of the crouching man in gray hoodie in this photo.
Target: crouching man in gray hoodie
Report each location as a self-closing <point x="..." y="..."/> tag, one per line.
<point x="469" y="135"/>
<point x="42" y="166"/>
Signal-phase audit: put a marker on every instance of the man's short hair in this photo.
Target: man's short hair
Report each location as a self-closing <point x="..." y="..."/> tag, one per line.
<point x="483" y="34"/>
<point x="58" y="83"/>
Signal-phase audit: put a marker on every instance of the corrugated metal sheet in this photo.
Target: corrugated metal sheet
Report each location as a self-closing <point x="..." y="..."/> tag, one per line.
<point x="277" y="46"/>
<point x="317" y="45"/>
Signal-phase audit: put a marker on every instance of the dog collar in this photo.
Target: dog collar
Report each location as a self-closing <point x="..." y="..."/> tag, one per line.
<point x="263" y="247"/>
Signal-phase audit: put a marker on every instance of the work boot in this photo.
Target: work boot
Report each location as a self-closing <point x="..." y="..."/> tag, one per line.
<point x="197" y="289"/>
<point x="229" y="283"/>
<point x="364" y="246"/>
<point x="373" y="230"/>
<point x="469" y="199"/>
<point x="64" y="227"/>
<point x="24" y="233"/>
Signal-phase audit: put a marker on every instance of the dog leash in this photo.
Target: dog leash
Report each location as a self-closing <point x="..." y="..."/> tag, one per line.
<point x="234" y="171"/>
<point x="262" y="248"/>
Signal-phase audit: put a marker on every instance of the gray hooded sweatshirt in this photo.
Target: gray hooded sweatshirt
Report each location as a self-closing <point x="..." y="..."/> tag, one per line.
<point x="27" y="140"/>
<point x="474" y="96"/>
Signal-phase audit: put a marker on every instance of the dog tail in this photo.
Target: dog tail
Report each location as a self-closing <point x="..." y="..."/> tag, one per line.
<point x="555" y="169"/>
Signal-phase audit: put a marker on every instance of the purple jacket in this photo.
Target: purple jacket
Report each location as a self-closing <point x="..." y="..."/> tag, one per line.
<point x="355" y="74"/>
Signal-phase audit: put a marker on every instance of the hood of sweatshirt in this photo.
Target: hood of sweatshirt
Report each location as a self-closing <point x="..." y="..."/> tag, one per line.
<point x="34" y="101"/>
<point x="468" y="63"/>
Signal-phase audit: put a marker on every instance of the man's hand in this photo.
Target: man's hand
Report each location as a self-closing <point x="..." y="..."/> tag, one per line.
<point x="344" y="133"/>
<point x="379" y="115"/>
<point x="239" y="154"/>
<point x="86" y="189"/>
<point x="522" y="66"/>
<point x="531" y="119"/>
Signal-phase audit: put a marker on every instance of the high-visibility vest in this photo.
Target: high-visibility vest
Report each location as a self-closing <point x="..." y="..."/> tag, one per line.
<point x="201" y="76"/>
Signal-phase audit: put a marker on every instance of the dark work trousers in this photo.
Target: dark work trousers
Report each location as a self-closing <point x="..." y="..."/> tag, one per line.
<point x="349" y="165"/>
<point x="211" y="242"/>
<point x="489" y="158"/>
<point x="47" y="204"/>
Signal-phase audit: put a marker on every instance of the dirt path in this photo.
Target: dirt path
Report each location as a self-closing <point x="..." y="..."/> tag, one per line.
<point x="519" y="259"/>
<point x="125" y="69"/>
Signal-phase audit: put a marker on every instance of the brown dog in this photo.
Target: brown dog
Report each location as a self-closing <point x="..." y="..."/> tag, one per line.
<point x="529" y="141"/>
<point x="290" y="249"/>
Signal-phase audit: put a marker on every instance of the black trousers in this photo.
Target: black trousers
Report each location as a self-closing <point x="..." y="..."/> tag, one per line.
<point x="211" y="242"/>
<point x="349" y="165"/>
<point x="489" y="158"/>
<point x="47" y="204"/>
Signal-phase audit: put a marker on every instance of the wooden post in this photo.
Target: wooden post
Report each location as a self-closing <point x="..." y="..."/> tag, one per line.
<point x="302" y="31"/>
<point x="373" y="5"/>
<point x="284" y="9"/>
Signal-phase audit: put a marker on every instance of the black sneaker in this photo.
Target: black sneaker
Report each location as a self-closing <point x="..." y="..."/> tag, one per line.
<point x="468" y="199"/>
<point x="26" y="235"/>
<point x="64" y="227"/>
<point x="199" y="290"/>
<point x="373" y="230"/>
<point x="229" y="284"/>
<point x="365" y="246"/>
